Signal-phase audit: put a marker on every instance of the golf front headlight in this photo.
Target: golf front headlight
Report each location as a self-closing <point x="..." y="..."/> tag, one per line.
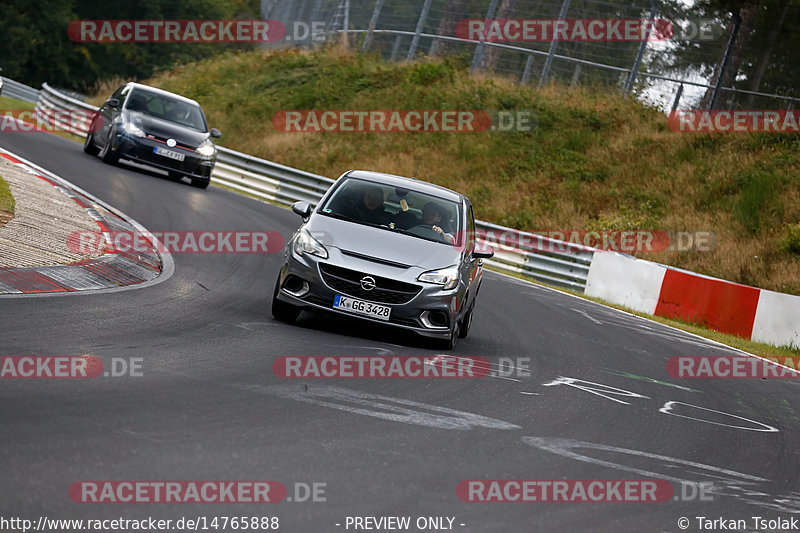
<point x="132" y="129"/>
<point x="447" y="277"/>
<point x="206" y="148"/>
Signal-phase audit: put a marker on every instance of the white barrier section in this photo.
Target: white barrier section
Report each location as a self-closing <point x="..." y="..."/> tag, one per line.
<point x="777" y="319"/>
<point x="624" y="280"/>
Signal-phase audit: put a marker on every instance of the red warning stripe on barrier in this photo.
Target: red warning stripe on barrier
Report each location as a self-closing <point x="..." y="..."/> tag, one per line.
<point x="721" y="305"/>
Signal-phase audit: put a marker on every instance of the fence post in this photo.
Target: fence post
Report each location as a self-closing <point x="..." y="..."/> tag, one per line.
<point x="737" y="21"/>
<point x="553" y="44"/>
<point x="677" y="99"/>
<point x="526" y="74"/>
<point x="420" y="24"/>
<point x="373" y="21"/>
<point x="396" y="47"/>
<point x="478" y="56"/>
<point x="346" y="25"/>
<point x="640" y="54"/>
<point x="576" y="74"/>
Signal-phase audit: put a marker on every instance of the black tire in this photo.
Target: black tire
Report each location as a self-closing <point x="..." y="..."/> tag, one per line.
<point x="466" y="322"/>
<point x="202" y="184"/>
<point x="450" y="343"/>
<point x="281" y="310"/>
<point x="106" y="153"/>
<point x="88" y="145"/>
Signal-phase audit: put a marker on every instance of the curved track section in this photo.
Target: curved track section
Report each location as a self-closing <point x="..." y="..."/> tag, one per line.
<point x="597" y="403"/>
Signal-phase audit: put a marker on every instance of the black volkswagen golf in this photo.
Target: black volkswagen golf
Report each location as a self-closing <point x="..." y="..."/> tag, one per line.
<point x="156" y="128"/>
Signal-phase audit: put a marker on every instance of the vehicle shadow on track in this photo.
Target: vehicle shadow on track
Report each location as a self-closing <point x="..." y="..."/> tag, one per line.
<point x="358" y="332"/>
<point x="144" y="170"/>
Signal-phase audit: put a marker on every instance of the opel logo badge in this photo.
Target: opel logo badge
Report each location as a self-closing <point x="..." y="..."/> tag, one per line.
<point x="171" y="143"/>
<point x="367" y="283"/>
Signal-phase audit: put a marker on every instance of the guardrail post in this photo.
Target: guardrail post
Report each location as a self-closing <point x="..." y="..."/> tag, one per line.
<point x="553" y="44"/>
<point x="420" y="24"/>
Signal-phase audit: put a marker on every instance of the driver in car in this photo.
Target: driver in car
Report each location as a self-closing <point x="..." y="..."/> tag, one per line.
<point x="432" y="216"/>
<point x="371" y="208"/>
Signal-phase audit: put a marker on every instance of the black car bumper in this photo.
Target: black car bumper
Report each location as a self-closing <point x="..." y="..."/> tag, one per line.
<point x="142" y="150"/>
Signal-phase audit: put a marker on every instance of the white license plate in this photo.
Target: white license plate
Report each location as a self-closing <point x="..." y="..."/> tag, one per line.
<point x="345" y="303"/>
<point x="172" y="154"/>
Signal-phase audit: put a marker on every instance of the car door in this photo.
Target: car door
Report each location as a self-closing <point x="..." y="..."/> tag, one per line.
<point x="474" y="264"/>
<point x="107" y="114"/>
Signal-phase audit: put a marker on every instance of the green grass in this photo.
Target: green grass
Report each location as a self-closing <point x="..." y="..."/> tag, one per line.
<point x="12" y="104"/>
<point x="7" y="202"/>
<point x="595" y="160"/>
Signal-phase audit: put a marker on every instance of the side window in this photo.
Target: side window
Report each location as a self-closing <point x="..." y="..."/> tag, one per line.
<point x="470" y="231"/>
<point x="120" y="93"/>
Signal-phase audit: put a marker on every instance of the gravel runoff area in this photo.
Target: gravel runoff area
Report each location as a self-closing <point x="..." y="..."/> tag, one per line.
<point x="43" y="220"/>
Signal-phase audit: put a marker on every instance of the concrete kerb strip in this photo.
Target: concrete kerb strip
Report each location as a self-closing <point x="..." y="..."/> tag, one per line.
<point x="111" y="272"/>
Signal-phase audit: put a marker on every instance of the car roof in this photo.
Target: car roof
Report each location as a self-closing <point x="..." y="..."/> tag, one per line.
<point x="407" y="183"/>
<point x="162" y="92"/>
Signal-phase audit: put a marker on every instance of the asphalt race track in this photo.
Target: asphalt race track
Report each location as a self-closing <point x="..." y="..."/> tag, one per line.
<point x="209" y="407"/>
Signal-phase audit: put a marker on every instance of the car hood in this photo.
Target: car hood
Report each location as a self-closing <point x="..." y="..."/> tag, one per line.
<point x="165" y="129"/>
<point x="382" y="244"/>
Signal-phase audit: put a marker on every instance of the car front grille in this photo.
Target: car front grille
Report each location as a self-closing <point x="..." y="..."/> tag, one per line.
<point x="386" y="291"/>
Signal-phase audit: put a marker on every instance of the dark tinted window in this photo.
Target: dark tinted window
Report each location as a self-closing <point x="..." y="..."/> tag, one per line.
<point x="166" y="108"/>
<point x="395" y="208"/>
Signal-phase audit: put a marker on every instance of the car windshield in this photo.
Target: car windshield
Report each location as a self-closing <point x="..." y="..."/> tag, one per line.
<point x="395" y="209"/>
<point x="166" y="108"/>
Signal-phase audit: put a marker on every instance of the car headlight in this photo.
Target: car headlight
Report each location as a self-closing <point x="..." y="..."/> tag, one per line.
<point x="206" y="148"/>
<point x="304" y="243"/>
<point x="132" y="129"/>
<point x="447" y="277"/>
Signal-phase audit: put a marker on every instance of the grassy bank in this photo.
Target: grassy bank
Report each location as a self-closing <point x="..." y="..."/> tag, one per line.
<point x="595" y="160"/>
<point x="7" y="202"/>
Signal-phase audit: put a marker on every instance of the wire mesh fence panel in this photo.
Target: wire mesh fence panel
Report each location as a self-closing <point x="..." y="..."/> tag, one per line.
<point x="670" y="59"/>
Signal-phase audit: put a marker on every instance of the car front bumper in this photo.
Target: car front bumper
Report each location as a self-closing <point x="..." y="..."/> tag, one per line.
<point x="141" y="150"/>
<point x="312" y="292"/>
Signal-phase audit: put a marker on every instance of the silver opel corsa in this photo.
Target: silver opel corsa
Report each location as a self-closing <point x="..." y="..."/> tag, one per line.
<point x="385" y="249"/>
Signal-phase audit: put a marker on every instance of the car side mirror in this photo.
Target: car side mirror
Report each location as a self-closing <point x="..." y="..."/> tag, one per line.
<point x="302" y="208"/>
<point x="216" y="133"/>
<point x="486" y="253"/>
<point x="113" y="102"/>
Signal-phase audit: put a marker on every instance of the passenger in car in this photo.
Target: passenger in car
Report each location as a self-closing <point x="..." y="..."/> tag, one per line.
<point x="432" y="215"/>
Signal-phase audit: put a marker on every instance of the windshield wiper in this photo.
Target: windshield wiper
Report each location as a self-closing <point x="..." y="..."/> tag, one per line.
<point x="338" y="216"/>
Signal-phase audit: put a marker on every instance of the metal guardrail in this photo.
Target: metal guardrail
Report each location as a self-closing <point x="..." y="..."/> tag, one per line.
<point x="20" y="91"/>
<point x="541" y="258"/>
